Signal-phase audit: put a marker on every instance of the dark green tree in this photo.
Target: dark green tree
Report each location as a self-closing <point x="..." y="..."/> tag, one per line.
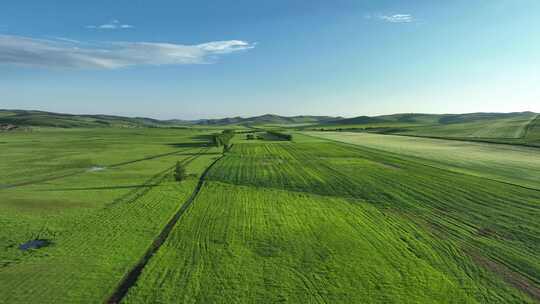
<point x="179" y="172"/>
<point x="223" y="138"/>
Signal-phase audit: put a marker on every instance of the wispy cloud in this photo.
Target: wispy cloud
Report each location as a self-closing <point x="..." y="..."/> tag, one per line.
<point x="397" y="18"/>
<point x="63" y="53"/>
<point x="113" y="25"/>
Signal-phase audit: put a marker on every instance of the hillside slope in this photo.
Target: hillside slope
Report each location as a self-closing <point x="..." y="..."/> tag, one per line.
<point x="49" y="119"/>
<point x="516" y="127"/>
<point x="268" y="119"/>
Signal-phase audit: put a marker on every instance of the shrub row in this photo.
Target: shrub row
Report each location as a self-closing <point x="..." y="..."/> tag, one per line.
<point x="280" y="135"/>
<point x="223" y="138"/>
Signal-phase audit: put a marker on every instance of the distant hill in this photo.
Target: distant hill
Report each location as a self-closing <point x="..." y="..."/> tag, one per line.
<point x="515" y="127"/>
<point x="269" y="119"/>
<point x="436" y="119"/>
<point x="357" y="120"/>
<point x="509" y="127"/>
<point x="49" y="119"/>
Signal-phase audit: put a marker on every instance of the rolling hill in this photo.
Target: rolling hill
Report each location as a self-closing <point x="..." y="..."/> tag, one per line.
<point x="268" y="119"/>
<point x="50" y="119"/>
<point x="515" y="127"/>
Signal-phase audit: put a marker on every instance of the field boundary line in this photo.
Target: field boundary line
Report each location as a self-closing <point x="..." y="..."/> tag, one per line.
<point x="151" y="157"/>
<point x="482" y="140"/>
<point x="158" y="178"/>
<point x="132" y="276"/>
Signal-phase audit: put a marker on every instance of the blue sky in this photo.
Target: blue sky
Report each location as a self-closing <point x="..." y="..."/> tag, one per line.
<point x="198" y="59"/>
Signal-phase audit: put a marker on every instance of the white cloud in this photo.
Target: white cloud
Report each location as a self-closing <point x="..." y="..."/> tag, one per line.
<point x="397" y="18"/>
<point x="63" y="53"/>
<point x="113" y="25"/>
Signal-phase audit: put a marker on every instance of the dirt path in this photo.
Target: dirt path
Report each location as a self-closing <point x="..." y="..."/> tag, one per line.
<point x="131" y="277"/>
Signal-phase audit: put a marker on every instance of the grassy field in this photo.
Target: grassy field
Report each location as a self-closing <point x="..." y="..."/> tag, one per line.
<point x="512" y="128"/>
<point x="378" y="219"/>
<point x="99" y="196"/>
<point x="316" y="221"/>
<point x="505" y="127"/>
<point x="507" y="163"/>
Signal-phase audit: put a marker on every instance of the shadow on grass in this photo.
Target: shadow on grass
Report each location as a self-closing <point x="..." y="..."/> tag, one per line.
<point x="205" y="153"/>
<point x="199" y="141"/>
<point x="102" y="188"/>
<point x="198" y="144"/>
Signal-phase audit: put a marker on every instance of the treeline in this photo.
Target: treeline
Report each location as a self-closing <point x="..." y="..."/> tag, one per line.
<point x="223" y="138"/>
<point x="280" y="135"/>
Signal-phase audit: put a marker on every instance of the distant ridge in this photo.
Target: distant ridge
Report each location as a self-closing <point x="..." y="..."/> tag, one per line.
<point x="512" y="128"/>
<point x="423" y="118"/>
<point x="51" y="119"/>
<point x="268" y="119"/>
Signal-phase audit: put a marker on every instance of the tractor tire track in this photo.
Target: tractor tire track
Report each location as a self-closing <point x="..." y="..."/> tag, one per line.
<point x="135" y="194"/>
<point x="132" y="276"/>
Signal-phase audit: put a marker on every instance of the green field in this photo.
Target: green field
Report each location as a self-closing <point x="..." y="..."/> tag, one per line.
<point x="512" y="128"/>
<point x="100" y="222"/>
<point x="316" y="221"/>
<point x="507" y="163"/>
<point x="349" y="218"/>
<point x="498" y="127"/>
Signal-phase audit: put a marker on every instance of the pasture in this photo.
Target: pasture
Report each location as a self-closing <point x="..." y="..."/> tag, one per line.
<point x="99" y="222"/>
<point x="519" y="165"/>
<point x="499" y="126"/>
<point x="519" y="128"/>
<point x="321" y="222"/>
<point x="372" y="219"/>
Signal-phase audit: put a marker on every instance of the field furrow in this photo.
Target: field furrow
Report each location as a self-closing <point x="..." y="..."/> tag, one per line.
<point x="323" y="222"/>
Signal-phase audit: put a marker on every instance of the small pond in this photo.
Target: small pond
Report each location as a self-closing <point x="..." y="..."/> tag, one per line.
<point x="34" y="244"/>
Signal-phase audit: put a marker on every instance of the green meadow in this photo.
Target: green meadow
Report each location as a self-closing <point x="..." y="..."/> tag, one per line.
<point x="506" y="163"/>
<point x="327" y="217"/>
<point x="100" y="196"/>
<point x="321" y="222"/>
<point x="519" y="128"/>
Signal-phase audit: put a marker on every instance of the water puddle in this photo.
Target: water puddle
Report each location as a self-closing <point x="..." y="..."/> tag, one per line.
<point x="34" y="244"/>
<point x="96" y="168"/>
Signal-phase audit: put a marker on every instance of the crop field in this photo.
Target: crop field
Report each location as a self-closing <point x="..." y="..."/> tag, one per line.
<point x="269" y="152"/>
<point x="519" y="128"/>
<point x="315" y="221"/>
<point x="349" y="218"/>
<point x="506" y="163"/>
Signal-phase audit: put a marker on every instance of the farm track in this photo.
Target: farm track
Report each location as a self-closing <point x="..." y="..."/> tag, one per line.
<point x="148" y="158"/>
<point x="131" y="278"/>
<point x="116" y="165"/>
<point x="133" y="195"/>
